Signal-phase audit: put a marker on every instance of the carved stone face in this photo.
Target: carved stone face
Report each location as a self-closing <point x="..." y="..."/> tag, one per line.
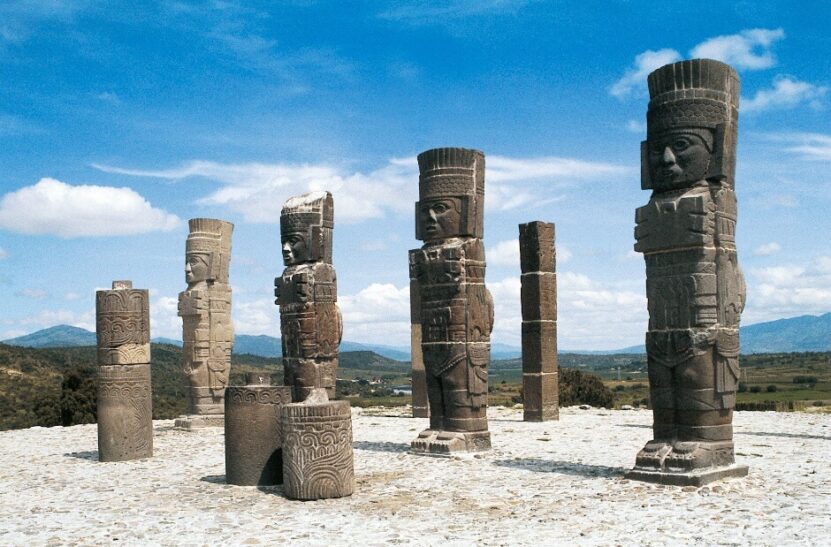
<point x="295" y="248"/>
<point x="440" y="218"/>
<point x="197" y="267"/>
<point x="677" y="159"/>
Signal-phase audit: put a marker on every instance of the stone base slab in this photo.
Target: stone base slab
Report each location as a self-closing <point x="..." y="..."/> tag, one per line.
<point x="699" y="477"/>
<point x="191" y="422"/>
<point x="431" y="441"/>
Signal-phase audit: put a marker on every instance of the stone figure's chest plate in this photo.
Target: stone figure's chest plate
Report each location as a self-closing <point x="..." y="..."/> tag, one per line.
<point x="676" y="221"/>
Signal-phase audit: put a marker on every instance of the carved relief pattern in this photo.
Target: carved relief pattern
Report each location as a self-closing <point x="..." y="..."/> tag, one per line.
<point x="317" y="448"/>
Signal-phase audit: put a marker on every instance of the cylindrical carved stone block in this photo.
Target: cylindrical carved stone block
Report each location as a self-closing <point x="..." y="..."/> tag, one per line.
<point x="540" y="388"/>
<point x="125" y="406"/>
<point x="317" y="450"/>
<point x="253" y="440"/>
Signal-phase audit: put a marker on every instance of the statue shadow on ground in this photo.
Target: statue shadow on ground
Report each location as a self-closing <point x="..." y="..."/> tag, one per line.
<point x="563" y="468"/>
<point x="383" y="446"/>
<point x="786" y="435"/>
<point x="641" y="426"/>
<point x="91" y="455"/>
<point x="214" y="479"/>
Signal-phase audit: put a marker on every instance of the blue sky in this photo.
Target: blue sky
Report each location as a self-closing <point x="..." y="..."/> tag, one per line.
<point x="119" y="121"/>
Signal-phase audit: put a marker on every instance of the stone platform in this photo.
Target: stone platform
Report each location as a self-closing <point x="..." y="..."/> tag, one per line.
<point x="542" y="483"/>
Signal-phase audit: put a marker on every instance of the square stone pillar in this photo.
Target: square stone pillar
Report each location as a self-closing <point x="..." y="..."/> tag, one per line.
<point x="540" y="389"/>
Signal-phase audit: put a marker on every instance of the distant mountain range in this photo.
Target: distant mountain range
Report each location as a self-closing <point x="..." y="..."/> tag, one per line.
<point x="795" y="334"/>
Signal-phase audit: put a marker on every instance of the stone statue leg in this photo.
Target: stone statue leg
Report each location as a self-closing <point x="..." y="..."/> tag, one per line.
<point x="704" y="431"/>
<point x="435" y="398"/>
<point x="662" y="400"/>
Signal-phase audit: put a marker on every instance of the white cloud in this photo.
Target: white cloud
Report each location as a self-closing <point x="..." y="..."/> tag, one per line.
<point x="380" y="313"/>
<point x="591" y="315"/>
<point x="35" y="294"/>
<point x="767" y="249"/>
<point x="787" y="92"/>
<point x="164" y="319"/>
<point x="3" y="253"/>
<point x="257" y="191"/>
<point x="809" y="146"/>
<point x="635" y="76"/>
<point x="71" y="296"/>
<point x="54" y="207"/>
<point x="749" y="49"/>
<point x="419" y="13"/>
<point x="504" y="253"/>
<point x="788" y="290"/>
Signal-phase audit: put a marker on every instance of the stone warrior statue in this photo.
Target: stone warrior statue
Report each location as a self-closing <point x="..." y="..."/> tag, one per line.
<point x="310" y="321"/>
<point x="316" y="431"/>
<point x="207" y="330"/>
<point x="695" y="289"/>
<point x="454" y="306"/>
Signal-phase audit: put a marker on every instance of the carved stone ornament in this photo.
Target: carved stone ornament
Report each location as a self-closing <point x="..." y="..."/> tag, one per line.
<point x="694" y="286"/>
<point x="207" y="329"/>
<point x="452" y="304"/>
<point x="125" y="411"/>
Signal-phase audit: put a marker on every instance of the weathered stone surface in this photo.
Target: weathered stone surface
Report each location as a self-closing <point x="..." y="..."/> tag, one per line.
<point x="695" y="288"/>
<point x="317" y="450"/>
<point x="538" y="293"/>
<point x="310" y="321"/>
<point x="207" y="329"/>
<point x="253" y="434"/>
<point x="125" y="412"/>
<point x="453" y="305"/>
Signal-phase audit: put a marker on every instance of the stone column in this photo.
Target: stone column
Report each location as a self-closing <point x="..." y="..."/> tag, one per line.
<point x="455" y="307"/>
<point x="537" y="257"/>
<point x="253" y="436"/>
<point x="207" y="329"/>
<point x="694" y="286"/>
<point x="317" y="431"/>
<point x="418" y="381"/>
<point x="125" y="402"/>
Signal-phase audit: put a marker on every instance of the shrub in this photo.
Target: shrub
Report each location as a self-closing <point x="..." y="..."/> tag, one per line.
<point x="78" y="396"/>
<point x="579" y="388"/>
<point x="755" y="389"/>
<point x="742" y="387"/>
<point x="771" y="389"/>
<point x="620" y="387"/>
<point x="805" y="379"/>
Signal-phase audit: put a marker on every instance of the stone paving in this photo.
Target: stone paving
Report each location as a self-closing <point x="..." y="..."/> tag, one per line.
<point x="542" y="484"/>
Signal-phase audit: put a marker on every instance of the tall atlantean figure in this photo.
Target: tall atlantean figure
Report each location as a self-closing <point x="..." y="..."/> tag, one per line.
<point x="207" y="330"/>
<point x="125" y="402"/>
<point x="695" y="289"/>
<point x="454" y="306"/>
<point x="316" y="430"/>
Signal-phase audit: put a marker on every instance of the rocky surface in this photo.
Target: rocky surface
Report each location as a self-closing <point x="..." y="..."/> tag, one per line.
<point x="543" y="483"/>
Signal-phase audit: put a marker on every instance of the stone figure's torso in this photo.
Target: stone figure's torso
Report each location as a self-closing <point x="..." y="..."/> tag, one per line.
<point x="310" y="321"/>
<point x="688" y="239"/>
<point x="456" y="309"/>
<point x="208" y="336"/>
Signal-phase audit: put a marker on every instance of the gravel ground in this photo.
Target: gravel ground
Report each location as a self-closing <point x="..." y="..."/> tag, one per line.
<point x="542" y="484"/>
